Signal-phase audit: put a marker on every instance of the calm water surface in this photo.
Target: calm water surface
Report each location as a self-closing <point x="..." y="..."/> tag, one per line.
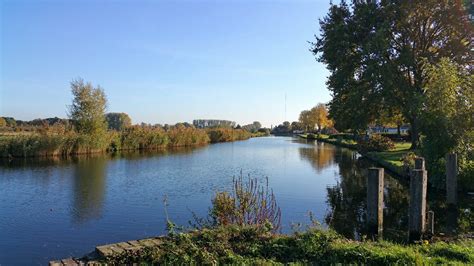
<point x="59" y="208"/>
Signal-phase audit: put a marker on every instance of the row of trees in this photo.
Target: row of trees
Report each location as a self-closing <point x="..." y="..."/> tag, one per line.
<point x="315" y="118"/>
<point x="378" y="53"/>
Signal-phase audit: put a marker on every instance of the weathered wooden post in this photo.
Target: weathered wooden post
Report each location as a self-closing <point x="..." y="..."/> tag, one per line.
<point x="451" y="179"/>
<point x="417" y="209"/>
<point x="431" y="222"/>
<point x="375" y="202"/>
<point x="420" y="163"/>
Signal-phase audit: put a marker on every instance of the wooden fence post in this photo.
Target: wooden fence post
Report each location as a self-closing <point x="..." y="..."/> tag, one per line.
<point x="417" y="209"/>
<point x="375" y="202"/>
<point x="420" y="163"/>
<point x="451" y="179"/>
<point x="431" y="222"/>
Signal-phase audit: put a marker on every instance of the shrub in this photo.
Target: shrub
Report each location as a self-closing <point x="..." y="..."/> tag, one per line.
<point x="182" y="136"/>
<point x="376" y="143"/>
<point x="138" y="138"/>
<point x="408" y="161"/>
<point x="227" y="134"/>
<point x="250" y="203"/>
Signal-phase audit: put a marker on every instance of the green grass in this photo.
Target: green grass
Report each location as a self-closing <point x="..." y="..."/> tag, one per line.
<point x="256" y="245"/>
<point x="391" y="159"/>
<point x="393" y="156"/>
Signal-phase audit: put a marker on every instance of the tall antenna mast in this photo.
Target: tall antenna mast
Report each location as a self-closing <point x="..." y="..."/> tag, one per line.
<point x="285" y="106"/>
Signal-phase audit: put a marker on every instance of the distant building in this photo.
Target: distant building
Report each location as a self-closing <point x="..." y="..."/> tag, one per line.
<point x="393" y="130"/>
<point x="210" y="123"/>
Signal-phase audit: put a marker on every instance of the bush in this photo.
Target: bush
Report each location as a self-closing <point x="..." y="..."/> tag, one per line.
<point x="376" y="143"/>
<point x="250" y="203"/>
<point x="227" y="134"/>
<point x="408" y="161"/>
<point x="182" y="136"/>
<point x="139" y="138"/>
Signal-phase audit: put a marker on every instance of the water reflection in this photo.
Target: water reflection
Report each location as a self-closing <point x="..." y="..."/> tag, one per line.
<point x="80" y="202"/>
<point x="347" y="199"/>
<point x="89" y="188"/>
<point x="320" y="156"/>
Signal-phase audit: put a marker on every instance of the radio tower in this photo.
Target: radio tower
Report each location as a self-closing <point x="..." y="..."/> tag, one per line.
<point x="285" y="106"/>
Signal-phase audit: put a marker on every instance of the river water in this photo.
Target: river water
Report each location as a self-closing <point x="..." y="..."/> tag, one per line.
<point x="56" y="208"/>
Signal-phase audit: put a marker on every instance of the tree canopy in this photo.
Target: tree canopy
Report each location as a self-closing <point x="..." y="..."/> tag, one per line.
<point x="88" y="108"/>
<point x="376" y="51"/>
<point x="316" y="117"/>
<point x="118" y="121"/>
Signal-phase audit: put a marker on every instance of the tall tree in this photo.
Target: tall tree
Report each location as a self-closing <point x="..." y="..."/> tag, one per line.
<point x="320" y="116"/>
<point x="376" y="50"/>
<point x="447" y="119"/>
<point x="316" y="117"/>
<point x="88" y="108"/>
<point x="118" y="121"/>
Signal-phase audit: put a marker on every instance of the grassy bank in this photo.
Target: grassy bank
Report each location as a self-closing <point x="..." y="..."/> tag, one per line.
<point x="249" y="244"/>
<point x="392" y="159"/>
<point x="133" y="138"/>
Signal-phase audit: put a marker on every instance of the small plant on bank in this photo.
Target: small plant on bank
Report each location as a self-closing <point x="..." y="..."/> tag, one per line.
<point x="377" y="143"/>
<point x="408" y="161"/>
<point x="249" y="203"/>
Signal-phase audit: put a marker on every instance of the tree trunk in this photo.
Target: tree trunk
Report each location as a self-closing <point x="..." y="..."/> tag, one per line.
<point x="399" y="131"/>
<point x="415" y="133"/>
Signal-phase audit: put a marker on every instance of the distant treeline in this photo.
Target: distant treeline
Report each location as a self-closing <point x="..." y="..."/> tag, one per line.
<point x="90" y="129"/>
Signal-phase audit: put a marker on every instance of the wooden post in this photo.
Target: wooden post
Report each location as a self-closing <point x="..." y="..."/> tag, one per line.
<point x="451" y="179"/>
<point x="420" y="163"/>
<point x="375" y="202"/>
<point x="431" y="222"/>
<point x="417" y="209"/>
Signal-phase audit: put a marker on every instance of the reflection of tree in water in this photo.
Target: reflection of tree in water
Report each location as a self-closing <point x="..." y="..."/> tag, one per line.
<point x="347" y="200"/>
<point x="452" y="221"/>
<point x="89" y="188"/>
<point x="320" y="155"/>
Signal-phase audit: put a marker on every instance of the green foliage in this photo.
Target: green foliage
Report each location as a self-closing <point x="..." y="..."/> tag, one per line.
<point x="408" y="161"/>
<point x="182" y="136"/>
<point x="227" y="134"/>
<point x="254" y="245"/>
<point x="60" y="141"/>
<point x="11" y="122"/>
<point x="254" y="127"/>
<point x="448" y="117"/>
<point x="118" y="121"/>
<point x="376" y="142"/>
<point x="88" y="114"/>
<point x="139" y="138"/>
<point x="375" y="50"/>
<point x="250" y="203"/>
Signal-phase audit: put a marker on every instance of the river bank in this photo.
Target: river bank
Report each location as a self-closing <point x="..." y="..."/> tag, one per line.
<point x="251" y="244"/>
<point x="46" y="144"/>
<point x="391" y="160"/>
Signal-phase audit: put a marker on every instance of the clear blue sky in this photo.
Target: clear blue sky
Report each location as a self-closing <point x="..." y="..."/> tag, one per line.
<point x="163" y="61"/>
